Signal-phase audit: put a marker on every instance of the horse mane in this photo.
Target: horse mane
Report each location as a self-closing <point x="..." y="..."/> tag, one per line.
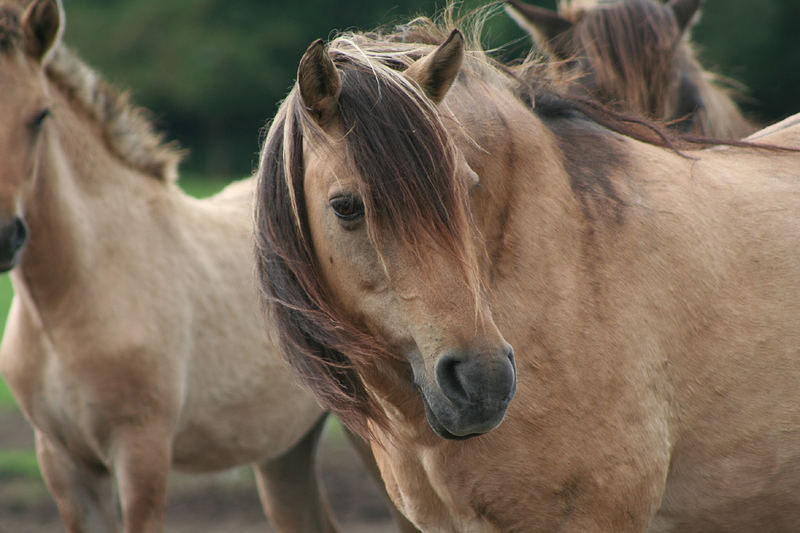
<point x="619" y="37"/>
<point x="127" y="130"/>
<point x="10" y="28"/>
<point x="544" y="87"/>
<point x="612" y="34"/>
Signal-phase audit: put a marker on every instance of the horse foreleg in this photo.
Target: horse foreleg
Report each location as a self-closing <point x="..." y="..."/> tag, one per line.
<point x="85" y="497"/>
<point x="365" y="451"/>
<point x="290" y="492"/>
<point x="142" y="461"/>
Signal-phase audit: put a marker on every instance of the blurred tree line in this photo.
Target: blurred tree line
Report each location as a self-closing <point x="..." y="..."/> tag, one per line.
<point x="213" y="71"/>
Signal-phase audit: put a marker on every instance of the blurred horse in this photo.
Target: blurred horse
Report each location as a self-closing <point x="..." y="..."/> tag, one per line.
<point x="545" y="318"/>
<point x="635" y="56"/>
<point x="135" y="340"/>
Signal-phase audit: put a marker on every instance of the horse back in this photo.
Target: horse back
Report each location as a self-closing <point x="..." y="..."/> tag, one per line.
<point x="785" y="133"/>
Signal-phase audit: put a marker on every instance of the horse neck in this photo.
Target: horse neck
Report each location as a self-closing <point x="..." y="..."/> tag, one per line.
<point x="516" y="157"/>
<point x="81" y="197"/>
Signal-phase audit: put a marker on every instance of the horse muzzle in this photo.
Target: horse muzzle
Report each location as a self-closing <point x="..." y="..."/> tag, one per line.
<point x="13" y="235"/>
<point x="472" y="394"/>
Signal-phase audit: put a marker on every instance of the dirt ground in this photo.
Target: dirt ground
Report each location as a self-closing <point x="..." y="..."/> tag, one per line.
<point x="221" y="503"/>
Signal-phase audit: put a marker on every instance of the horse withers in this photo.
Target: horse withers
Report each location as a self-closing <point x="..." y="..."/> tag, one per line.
<point x="135" y="341"/>
<point x="633" y="306"/>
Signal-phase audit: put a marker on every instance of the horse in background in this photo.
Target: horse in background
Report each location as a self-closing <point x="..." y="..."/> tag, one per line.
<point x="135" y="341"/>
<point x="545" y="317"/>
<point x="635" y="56"/>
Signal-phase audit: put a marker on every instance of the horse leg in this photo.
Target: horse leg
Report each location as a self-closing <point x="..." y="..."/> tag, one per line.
<point x="289" y="489"/>
<point x="368" y="458"/>
<point x="85" y="498"/>
<point x="142" y="460"/>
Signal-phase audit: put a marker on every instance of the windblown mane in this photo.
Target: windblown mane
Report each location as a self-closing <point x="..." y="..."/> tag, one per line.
<point x="613" y="36"/>
<point x="633" y="47"/>
<point x="127" y="130"/>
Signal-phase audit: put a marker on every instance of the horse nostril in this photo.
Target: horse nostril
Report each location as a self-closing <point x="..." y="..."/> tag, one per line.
<point x="449" y="372"/>
<point x="511" y="372"/>
<point x="468" y="378"/>
<point x="12" y="237"/>
<point x="20" y="233"/>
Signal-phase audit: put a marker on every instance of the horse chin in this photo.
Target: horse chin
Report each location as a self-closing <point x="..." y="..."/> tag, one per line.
<point x="450" y="431"/>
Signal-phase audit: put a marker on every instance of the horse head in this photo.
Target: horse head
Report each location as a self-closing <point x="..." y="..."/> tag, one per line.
<point x="26" y="38"/>
<point x="629" y="54"/>
<point x="383" y="267"/>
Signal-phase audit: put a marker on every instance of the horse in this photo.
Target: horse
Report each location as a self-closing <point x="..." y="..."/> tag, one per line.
<point x="635" y="56"/>
<point x="543" y="315"/>
<point x="135" y="341"/>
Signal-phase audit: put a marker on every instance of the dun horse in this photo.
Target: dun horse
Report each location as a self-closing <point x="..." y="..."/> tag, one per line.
<point x="545" y="320"/>
<point x="134" y="341"/>
<point x="635" y="56"/>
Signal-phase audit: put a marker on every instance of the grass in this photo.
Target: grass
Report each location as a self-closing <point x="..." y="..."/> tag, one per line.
<point x="200" y="186"/>
<point x="22" y="463"/>
<point x="6" y="294"/>
<point x="6" y="398"/>
<point x="18" y="464"/>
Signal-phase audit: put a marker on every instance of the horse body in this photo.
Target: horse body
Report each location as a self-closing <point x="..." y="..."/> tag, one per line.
<point x="734" y="459"/>
<point x="649" y="298"/>
<point x="146" y="289"/>
<point x="657" y="358"/>
<point x="134" y="342"/>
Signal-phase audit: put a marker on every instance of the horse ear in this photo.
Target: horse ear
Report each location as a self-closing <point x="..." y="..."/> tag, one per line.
<point x="42" y="26"/>
<point x="684" y="11"/>
<point x="319" y="82"/>
<point x="547" y="27"/>
<point x="437" y="71"/>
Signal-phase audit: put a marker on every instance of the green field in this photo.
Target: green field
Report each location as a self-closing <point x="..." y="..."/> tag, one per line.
<point x="14" y="463"/>
<point x="6" y="293"/>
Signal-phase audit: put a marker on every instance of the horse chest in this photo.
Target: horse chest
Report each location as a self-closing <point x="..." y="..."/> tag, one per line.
<point x="430" y="495"/>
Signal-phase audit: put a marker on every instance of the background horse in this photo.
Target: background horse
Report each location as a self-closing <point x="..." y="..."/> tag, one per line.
<point x="439" y="255"/>
<point x="134" y="340"/>
<point x="634" y="56"/>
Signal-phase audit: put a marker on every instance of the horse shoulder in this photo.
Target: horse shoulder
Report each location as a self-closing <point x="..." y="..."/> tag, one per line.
<point x="23" y="354"/>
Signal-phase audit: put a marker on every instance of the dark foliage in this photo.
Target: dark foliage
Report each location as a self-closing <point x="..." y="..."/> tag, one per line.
<point x="213" y="71"/>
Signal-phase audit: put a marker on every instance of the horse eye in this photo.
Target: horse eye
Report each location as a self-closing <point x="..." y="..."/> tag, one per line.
<point x="38" y="120"/>
<point x="347" y="207"/>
